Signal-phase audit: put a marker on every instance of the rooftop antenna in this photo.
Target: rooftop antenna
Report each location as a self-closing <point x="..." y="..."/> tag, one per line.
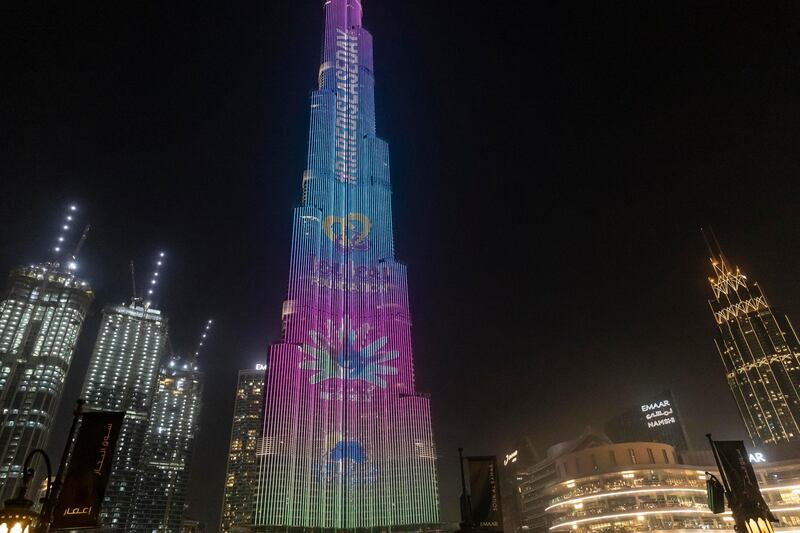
<point x="151" y="287"/>
<point x="708" y="245"/>
<point x="716" y="242"/>
<point x="134" y="299"/>
<point x="64" y="227"/>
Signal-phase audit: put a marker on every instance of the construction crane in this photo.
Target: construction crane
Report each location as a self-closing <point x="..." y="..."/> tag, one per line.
<point x="73" y="263"/>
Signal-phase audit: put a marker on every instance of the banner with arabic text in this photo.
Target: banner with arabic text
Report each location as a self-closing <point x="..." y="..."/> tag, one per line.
<point x="78" y="504"/>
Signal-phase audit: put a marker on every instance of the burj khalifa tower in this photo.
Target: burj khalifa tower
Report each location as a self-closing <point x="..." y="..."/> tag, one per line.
<point x="347" y="440"/>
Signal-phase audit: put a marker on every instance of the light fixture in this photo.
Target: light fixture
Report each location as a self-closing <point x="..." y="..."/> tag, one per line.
<point x="18" y="515"/>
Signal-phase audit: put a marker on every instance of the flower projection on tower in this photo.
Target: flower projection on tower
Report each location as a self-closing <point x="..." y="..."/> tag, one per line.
<point x="348" y="356"/>
<point x="347" y="441"/>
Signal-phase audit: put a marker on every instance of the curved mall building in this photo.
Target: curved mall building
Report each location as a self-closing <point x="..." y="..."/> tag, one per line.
<point x="590" y="485"/>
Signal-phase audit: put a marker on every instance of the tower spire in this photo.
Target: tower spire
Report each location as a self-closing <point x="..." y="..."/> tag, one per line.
<point x="151" y="286"/>
<point x="65" y="225"/>
<point x="202" y="341"/>
<point x="708" y="244"/>
<point x="346" y="13"/>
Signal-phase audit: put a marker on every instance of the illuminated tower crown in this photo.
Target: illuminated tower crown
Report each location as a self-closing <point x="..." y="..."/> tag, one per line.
<point x="347" y="441"/>
<point x="761" y="354"/>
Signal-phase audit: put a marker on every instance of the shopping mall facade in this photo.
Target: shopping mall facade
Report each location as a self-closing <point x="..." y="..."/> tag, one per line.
<point x="590" y="485"/>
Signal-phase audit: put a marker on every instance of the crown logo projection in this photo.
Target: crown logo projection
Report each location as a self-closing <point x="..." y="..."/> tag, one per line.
<point x="347" y="441"/>
<point x="351" y="232"/>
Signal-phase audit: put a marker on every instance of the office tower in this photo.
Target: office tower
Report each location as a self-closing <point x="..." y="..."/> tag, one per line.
<point x="122" y="376"/>
<point x="169" y="445"/>
<point x="347" y="439"/>
<point x="238" y="504"/>
<point x="655" y="419"/>
<point x="761" y="353"/>
<point x="41" y="316"/>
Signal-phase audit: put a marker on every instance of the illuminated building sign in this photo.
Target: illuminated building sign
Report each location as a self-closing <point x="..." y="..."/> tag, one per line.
<point x="511" y="458"/>
<point x="757" y="457"/>
<point x="654" y="420"/>
<point x="658" y="414"/>
<point x="346" y="442"/>
<point x="259" y="366"/>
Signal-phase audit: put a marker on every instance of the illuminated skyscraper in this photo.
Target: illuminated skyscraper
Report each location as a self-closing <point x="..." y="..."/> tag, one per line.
<point x="239" y="503"/>
<point x="761" y="354"/>
<point x="347" y="439"/>
<point x="41" y="316"/>
<point x="169" y="445"/>
<point x="122" y="376"/>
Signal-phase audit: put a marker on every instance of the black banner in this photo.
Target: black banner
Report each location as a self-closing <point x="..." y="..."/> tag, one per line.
<point x="79" y="500"/>
<point x="745" y="497"/>
<point x="487" y="509"/>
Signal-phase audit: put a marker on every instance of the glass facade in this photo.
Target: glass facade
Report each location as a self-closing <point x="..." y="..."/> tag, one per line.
<point x="347" y="440"/>
<point x="169" y="445"/>
<point x="761" y="354"/>
<point x="41" y="316"/>
<point x="123" y="376"/>
<point x="238" y="505"/>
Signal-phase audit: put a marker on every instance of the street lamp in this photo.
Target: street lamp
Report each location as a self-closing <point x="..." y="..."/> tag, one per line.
<point x="18" y="515"/>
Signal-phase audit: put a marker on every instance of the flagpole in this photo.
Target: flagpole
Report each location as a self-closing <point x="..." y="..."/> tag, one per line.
<point x="466" y="506"/>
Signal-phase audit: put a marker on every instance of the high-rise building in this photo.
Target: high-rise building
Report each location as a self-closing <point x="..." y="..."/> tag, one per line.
<point x="239" y="503"/>
<point x="348" y="441"/>
<point x="761" y="353"/>
<point x="169" y="445"/>
<point x="41" y="316"/>
<point x="122" y="376"/>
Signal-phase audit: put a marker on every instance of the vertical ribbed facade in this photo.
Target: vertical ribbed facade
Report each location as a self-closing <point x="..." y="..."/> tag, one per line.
<point x="761" y="354"/>
<point x="347" y="441"/>
<point x="239" y="503"/>
<point x="41" y="316"/>
<point x="169" y="446"/>
<point x="122" y="376"/>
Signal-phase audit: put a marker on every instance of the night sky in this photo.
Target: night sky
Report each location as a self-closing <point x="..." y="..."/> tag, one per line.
<point x="552" y="165"/>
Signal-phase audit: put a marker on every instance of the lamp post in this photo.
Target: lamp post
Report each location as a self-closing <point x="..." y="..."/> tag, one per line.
<point x="18" y="515"/>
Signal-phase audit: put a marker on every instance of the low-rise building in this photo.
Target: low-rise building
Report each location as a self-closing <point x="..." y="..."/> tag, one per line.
<point x="590" y="484"/>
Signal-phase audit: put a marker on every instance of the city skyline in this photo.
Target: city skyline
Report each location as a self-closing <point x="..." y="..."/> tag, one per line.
<point x="619" y="270"/>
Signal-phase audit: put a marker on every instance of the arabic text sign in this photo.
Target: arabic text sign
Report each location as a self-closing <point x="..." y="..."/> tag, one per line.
<point x="78" y="504"/>
<point x="658" y="414"/>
